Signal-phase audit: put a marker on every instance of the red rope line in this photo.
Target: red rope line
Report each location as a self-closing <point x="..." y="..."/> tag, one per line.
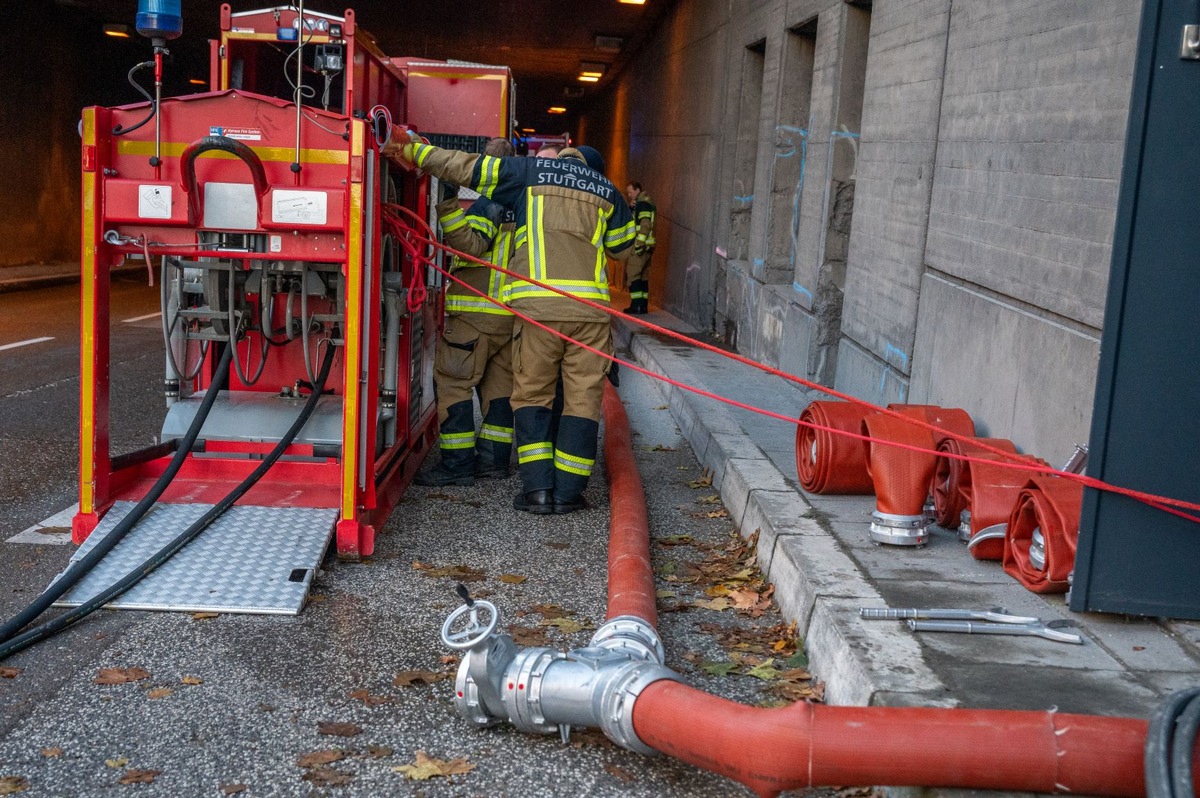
<point x="1163" y="503"/>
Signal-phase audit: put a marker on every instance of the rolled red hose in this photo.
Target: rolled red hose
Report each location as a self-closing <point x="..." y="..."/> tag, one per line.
<point x="951" y="487"/>
<point x="810" y="745"/>
<point x="994" y="489"/>
<point x="902" y="476"/>
<point x="630" y="575"/>
<point x="825" y="461"/>
<point x="1052" y="505"/>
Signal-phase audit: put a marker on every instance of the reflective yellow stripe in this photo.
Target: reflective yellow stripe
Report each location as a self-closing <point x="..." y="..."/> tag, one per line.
<point x="531" y="452"/>
<point x="352" y="351"/>
<point x="579" y="288"/>
<point x="572" y="464"/>
<point x="621" y="235"/>
<point x="422" y="152"/>
<point x="453" y="220"/>
<point x="458" y="303"/>
<point x="173" y="149"/>
<point x="489" y="175"/>
<point x="87" y="360"/>
<point x="490" y="432"/>
<point x="457" y="440"/>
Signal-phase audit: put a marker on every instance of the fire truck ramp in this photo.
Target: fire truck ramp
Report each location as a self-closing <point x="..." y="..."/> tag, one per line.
<point x="251" y="560"/>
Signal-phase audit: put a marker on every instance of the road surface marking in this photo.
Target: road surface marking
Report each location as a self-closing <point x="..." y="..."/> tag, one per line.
<point x="54" y="531"/>
<point x="26" y="343"/>
<point x="142" y="318"/>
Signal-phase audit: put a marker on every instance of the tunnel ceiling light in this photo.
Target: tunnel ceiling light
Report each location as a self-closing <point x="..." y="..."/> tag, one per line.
<point x="117" y="31"/>
<point x="632" y="2"/>
<point x="197" y="82"/>
<point x="556" y="109"/>
<point x="589" y="78"/>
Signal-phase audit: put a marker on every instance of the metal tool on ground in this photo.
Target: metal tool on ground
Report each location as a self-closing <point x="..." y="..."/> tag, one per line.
<point x="993" y="615"/>
<point x="1051" y="630"/>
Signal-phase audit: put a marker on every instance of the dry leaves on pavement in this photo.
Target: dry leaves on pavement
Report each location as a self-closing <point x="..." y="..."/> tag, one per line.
<point x="409" y="678"/>
<point x="11" y="785"/>
<point x="512" y="579"/>
<point x="120" y="675"/>
<point x="192" y="680"/>
<point x="705" y="480"/>
<point x="426" y="767"/>
<point x="159" y="692"/>
<point x="139" y="776"/>
<point x="205" y="616"/>
<point x="232" y="789"/>
<point x="525" y="636"/>
<point x="117" y="763"/>
<point x="370" y="700"/>
<point x="620" y="773"/>
<point x="565" y="625"/>
<point x="52" y="753"/>
<point x="317" y="758"/>
<point x="338" y="729"/>
<point x="462" y="573"/>
<point x="10" y="673"/>
<point x="327" y="777"/>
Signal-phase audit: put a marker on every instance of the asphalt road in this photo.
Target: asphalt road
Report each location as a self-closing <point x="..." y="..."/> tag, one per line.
<point x="232" y="704"/>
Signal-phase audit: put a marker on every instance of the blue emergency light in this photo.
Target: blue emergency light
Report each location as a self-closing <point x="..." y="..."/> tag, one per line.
<point x="160" y="19"/>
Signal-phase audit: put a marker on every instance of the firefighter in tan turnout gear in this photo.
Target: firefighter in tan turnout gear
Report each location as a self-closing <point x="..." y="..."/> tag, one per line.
<point x="475" y="350"/>
<point x="568" y="215"/>
<point x="637" y="268"/>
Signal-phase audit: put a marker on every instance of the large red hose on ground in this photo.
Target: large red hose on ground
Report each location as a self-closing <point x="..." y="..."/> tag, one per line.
<point x="951" y="488"/>
<point x="630" y="576"/>
<point x="771" y="750"/>
<point x="994" y="489"/>
<point x="825" y="461"/>
<point x="902" y="476"/>
<point x="1052" y="506"/>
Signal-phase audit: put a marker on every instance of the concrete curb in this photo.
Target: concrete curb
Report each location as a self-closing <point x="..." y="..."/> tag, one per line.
<point x="816" y="583"/>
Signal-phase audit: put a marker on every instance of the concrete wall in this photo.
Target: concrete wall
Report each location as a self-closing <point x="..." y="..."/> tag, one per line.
<point x="927" y="218"/>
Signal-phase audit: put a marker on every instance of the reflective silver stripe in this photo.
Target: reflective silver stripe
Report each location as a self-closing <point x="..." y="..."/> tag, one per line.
<point x="543" y="450"/>
<point x="457" y="440"/>
<point x="491" y="432"/>
<point x="572" y="464"/>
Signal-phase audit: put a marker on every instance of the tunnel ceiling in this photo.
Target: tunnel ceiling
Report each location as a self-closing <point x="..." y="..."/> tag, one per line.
<point x="543" y="42"/>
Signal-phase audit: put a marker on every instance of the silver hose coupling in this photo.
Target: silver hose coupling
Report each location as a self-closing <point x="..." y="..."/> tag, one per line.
<point x="631" y="635"/>
<point x="899" y="530"/>
<point x="964" y="526"/>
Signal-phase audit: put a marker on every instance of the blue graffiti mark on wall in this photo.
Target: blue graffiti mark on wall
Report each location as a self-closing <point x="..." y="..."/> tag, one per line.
<point x="746" y="199"/>
<point x="799" y="289"/>
<point x="890" y="350"/>
<point x="758" y="262"/>
<point x="844" y="134"/>
<point x="788" y="135"/>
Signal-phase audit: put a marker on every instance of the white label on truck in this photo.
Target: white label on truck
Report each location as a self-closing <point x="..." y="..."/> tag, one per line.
<point x="154" y="201"/>
<point x="299" y="207"/>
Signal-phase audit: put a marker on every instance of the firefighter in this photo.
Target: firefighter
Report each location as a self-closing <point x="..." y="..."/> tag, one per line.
<point x="568" y="215"/>
<point x="637" y="269"/>
<point x="474" y="354"/>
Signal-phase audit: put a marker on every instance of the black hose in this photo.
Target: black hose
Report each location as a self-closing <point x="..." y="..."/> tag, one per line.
<point x="85" y="564"/>
<point x="120" y="131"/>
<point x="1163" y="763"/>
<point x="165" y="553"/>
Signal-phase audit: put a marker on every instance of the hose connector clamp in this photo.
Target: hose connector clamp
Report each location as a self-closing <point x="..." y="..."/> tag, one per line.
<point x="632" y="636"/>
<point x="616" y="703"/>
<point x="899" y="530"/>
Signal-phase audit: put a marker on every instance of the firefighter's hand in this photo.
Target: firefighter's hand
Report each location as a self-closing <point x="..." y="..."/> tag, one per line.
<point x="402" y="147"/>
<point x="446" y="191"/>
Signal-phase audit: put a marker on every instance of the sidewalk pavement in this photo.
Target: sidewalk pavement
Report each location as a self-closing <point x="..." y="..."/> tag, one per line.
<point x="817" y="552"/>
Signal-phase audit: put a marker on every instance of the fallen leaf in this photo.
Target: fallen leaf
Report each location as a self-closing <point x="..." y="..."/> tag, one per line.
<point x="232" y="789"/>
<point x="717" y="590"/>
<point x="717" y="604"/>
<point x="409" y="678"/>
<point x="10" y="785"/>
<point x="666" y="568"/>
<point x="1139" y="648"/>
<point x="705" y="481"/>
<point x="120" y="675"/>
<point x="10" y="673"/>
<point x="675" y="540"/>
<point x="797" y="660"/>
<point x="662" y="594"/>
<point x="780" y="645"/>
<point x="718" y="668"/>
<point x="421" y="566"/>
<point x="661" y="448"/>
<point x="766" y="671"/>
<point x="448" y="659"/>
<point x="551" y="611"/>
<point x="338" y="729"/>
<point x="558" y="544"/>
<point x="512" y="579"/>
<point x="426" y="767"/>
<point x="525" y="636"/>
<point x="52" y="753"/>
<point x="139" y="777"/>
<point x="159" y="692"/>
<point x="661" y="407"/>
<point x="193" y="680"/>
<point x="379" y="751"/>
<point x="462" y="573"/>
<point x="620" y="773"/>
<point x="317" y="758"/>
<point x="316" y="598"/>
<point x="564" y="625"/>
<point x="54" y="530"/>
<point x="265" y="708"/>
<point x="370" y="700"/>
<point x="117" y="763"/>
<point x="711" y="499"/>
<point x="744" y="599"/>
<point x="722" y="513"/>
<point x="328" y="777"/>
<point x="204" y="616"/>
<point x="582" y="737"/>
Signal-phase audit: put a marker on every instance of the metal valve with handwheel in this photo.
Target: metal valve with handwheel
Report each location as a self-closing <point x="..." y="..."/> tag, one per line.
<point x="481" y="618"/>
<point x="471" y="628"/>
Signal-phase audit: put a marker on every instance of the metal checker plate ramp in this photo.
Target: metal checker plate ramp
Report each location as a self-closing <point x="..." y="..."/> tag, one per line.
<point x="244" y="562"/>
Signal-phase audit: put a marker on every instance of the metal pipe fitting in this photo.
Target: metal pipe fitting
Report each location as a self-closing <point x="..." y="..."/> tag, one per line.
<point x="899" y="530"/>
<point x="964" y="526"/>
<point x="544" y="691"/>
<point x="1037" y="549"/>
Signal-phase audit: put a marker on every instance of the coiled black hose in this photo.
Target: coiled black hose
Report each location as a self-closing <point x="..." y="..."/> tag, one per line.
<point x="87" y="563"/>
<point x="1170" y="743"/>
<point x="183" y="538"/>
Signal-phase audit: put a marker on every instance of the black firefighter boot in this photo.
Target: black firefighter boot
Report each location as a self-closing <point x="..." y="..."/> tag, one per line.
<point x="574" y="459"/>
<point x="535" y="460"/>
<point x="639" y="296"/>
<point x="457" y="442"/>
<point x="493" y="450"/>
